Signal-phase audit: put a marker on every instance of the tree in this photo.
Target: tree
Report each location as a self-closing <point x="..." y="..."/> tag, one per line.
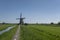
<point x="26" y="24"/>
<point x="52" y="23"/>
<point x="59" y="23"/>
<point x="3" y="23"/>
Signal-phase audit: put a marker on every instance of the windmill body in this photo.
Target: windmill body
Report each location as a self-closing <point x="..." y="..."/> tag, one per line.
<point x="21" y="19"/>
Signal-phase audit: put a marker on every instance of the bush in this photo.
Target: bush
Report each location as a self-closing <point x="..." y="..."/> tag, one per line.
<point x="59" y="23"/>
<point x="26" y="24"/>
<point x="52" y="23"/>
<point x="3" y="23"/>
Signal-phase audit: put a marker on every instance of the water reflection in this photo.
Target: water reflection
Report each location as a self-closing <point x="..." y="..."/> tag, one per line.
<point x="7" y="29"/>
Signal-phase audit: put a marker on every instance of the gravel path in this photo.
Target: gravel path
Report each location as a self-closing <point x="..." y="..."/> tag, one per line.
<point x="16" y="36"/>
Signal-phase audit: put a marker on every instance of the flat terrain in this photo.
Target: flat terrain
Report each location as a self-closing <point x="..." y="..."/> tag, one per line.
<point x="31" y="32"/>
<point x="40" y="32"/>
<point x="9" y="34"/>
<point x="16" y="36"/>
<point x="4" y="26"/>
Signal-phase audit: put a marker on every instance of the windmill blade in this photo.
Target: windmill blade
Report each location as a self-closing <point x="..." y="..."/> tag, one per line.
<point x="24" y="18"/>
<point x="20" y="15"/>
<point x="17" y="18"/>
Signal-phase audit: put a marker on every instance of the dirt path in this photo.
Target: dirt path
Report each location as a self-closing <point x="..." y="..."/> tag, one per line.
<point x="16" y="36"/>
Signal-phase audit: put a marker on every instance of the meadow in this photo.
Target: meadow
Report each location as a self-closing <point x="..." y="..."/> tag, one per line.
<point x="40" y="32"/>
<point x="9" y="34"/>
<point x="4" y="26"/>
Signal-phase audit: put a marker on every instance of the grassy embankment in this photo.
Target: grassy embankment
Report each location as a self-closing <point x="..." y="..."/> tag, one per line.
<point x="2" y="27"/>
<point x="40" y="32"/>
<point x="8" y="35"/>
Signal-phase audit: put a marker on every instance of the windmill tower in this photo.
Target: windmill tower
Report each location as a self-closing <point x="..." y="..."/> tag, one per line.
<point x="21" y="19"/>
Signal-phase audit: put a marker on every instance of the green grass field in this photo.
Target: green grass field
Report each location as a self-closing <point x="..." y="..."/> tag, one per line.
<point x="9" y="34"/>
<point x="32" y="32"/>
<point x="2" y="27"/>
<point x="40" y="32"/>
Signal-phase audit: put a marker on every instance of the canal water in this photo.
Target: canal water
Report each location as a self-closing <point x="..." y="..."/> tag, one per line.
<point x="7" y="29"/>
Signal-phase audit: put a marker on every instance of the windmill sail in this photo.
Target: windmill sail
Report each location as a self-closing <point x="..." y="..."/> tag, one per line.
<point x="21" y="19"/>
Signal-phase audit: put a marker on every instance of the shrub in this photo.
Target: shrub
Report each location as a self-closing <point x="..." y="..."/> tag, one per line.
<point x="52" y="23"/>
<point x="26" y="24"/>
<point x="59" y="23"/>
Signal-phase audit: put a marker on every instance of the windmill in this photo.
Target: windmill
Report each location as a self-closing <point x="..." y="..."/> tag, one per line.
<point x="21" y="19"/>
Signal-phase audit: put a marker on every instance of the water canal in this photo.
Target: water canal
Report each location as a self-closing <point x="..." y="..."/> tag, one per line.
<point x="7" y="29"/>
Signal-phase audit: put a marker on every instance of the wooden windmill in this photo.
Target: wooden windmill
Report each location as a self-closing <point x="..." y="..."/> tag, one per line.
<point x="21" y="19"/>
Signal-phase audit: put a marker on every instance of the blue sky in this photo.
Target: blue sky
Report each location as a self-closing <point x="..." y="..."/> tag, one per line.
<point x="41" y="11"/>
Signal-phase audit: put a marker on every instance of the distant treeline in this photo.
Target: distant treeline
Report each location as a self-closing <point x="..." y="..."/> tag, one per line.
<point x="8" y="23"/>
<point x="42" y="23"/>
<point x="31" y="23"/>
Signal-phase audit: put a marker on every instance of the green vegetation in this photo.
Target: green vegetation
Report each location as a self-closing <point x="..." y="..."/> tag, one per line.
<point x="40" y="32"/>
<point x="2" y="27"/>
<point x="8" y="35"/>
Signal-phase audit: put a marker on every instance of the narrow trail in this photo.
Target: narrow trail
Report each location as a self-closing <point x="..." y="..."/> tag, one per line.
<point x="17" y="34"/>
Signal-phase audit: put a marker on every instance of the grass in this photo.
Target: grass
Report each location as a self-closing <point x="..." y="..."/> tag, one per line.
<point x="40" y="32"/>
<point x="8" y="35"/>
<point x="2" y="27"/>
